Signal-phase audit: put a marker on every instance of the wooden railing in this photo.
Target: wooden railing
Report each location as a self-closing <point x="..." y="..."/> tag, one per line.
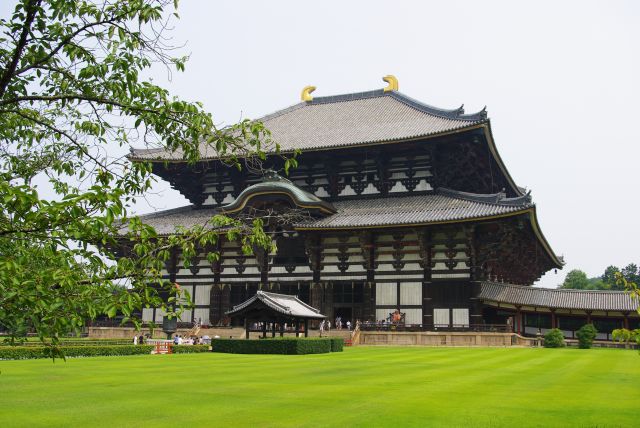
<point x="355" y="335"/>
<point x="193" y="331"/>
<point x="487" y="328"/>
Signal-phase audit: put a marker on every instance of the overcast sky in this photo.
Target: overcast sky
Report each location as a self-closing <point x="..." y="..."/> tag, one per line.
<point x="559" y="79"/>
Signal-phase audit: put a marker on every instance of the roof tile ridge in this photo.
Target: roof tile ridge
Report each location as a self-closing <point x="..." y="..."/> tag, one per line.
<point x="494" y="199"/>
<point x="289" y="297"/>
<point x="245" y="303"/>
<point x="455" y="114"/>
<point x="353" y="96"/>
<point x="556" y="290"/>
<point x="269" y="300"/>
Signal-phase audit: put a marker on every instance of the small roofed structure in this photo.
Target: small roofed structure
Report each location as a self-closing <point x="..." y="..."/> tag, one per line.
<point x="273" y="308"/>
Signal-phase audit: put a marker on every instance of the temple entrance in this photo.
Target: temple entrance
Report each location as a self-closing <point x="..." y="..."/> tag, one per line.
<point x="346" y="314"/>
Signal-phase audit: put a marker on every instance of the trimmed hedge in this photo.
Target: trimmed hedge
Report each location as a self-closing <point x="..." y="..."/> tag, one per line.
<point x="337" y="344"/>
<point x="190" y="349"/>
<point x="31" y="352"/>
<point x="287" y="346"/>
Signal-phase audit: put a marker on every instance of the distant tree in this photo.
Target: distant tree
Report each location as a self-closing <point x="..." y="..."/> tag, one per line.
<point x="631" y="273"/>
<point x="576" y="279"/>
<point x="609" y="277"/>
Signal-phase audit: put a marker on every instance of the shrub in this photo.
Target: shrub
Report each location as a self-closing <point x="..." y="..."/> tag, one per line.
<point x="337" y="343"/>
<point x="288" y="346"/>
<point x="554" y="339"/>
<point x="586" y="334"/>
<point x="31" y="352"/>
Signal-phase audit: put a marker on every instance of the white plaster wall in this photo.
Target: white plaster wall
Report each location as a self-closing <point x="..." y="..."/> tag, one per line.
<point x="386" y="294"/>
<point x="411" y="294"/>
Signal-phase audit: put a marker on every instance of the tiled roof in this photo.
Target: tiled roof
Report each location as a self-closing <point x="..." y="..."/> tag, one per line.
<point x="165" y="222"/>
<point x="283" y="303"/>
<point x="423" y="209"/>
<point x="401" y="210"/>
<point x="348" y="120"/>
<point x="557" y="298"/>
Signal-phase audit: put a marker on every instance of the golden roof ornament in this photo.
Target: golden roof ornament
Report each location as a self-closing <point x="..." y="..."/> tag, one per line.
<point x="392" y="81"/>
<point x="306" y="93"/>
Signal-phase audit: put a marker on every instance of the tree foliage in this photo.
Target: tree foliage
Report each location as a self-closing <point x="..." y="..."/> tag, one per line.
<point x="72" y="99"/>
<point x="631" y="287"/>
<point x="626" y="336"/>
<point x="578" y="280"/>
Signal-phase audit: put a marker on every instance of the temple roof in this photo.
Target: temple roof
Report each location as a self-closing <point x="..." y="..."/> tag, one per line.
<point x="345" y="121"/>
<point x="595" y="300"/>
<point x="274" y="184"/>
<point x="444" y="206"/>
<point x="283" y="304"/>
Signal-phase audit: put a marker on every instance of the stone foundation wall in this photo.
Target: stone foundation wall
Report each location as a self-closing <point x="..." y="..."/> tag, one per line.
<point x="443" y="339"/>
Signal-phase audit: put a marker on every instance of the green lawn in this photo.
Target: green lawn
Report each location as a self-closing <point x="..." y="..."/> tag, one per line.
<point x="363" y="386"/>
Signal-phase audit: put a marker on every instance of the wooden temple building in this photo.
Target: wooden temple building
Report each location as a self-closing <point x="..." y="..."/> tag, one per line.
<point x="405" y="207"/>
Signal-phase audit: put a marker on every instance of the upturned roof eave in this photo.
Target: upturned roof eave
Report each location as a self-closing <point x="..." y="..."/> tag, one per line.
<point x="270" y="300"/>
<point x="472" y="126"/>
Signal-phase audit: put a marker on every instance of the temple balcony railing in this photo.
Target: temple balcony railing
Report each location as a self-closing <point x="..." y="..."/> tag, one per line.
<point x="481" y="328"/>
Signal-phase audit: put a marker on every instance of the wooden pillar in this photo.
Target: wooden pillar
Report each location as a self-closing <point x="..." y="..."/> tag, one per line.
<point x="626" y="320"/>
<point x="306" y="329"/>
<point x="588" y="317"/>
<point x="297" y="327"/>
<point x="273" y="329"/>
<point x="246" y="328"/>
<point x="264" y="329"/>
<point x="426" y="246"/>
<point x="554" y="320"/>
<point x="281" y="329"/>
<point x="519" y="320"/>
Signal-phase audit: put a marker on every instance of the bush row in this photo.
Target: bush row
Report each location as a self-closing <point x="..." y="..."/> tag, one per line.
<point x="190" y="349"/>
<point x="31" y="352"/>
<point x="65" y="343"/>
<point x="337" y="344"/>
<point x="554" y="338"/>
<point x="288" y="346"/>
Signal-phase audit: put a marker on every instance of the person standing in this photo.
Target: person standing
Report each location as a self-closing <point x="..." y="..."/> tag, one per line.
<point x="348" y="325"/>
<point x="321" y="327"/>
<point x="135" y="340"/>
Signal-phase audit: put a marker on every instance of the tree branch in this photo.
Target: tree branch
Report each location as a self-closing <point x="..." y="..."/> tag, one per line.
<point x="66" y="41"/>
<point x="22" y="42"/>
